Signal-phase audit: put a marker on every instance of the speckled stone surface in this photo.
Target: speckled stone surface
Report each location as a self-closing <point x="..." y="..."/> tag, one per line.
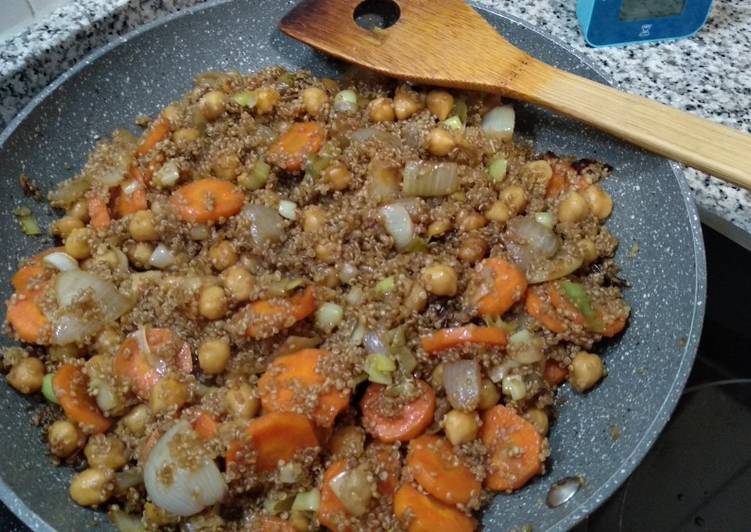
<point x="709" y="74"/>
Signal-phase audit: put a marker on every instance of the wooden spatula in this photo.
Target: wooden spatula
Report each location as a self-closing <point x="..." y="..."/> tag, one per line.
<point x="447" y="43"/>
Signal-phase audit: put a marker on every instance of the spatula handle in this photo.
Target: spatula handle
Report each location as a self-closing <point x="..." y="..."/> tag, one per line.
<point x="707" y="146"/>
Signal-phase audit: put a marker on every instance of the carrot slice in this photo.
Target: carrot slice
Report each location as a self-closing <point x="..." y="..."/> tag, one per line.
<point x="274" y="437"/>
<point x="99" y="214"/>
<point x="553" y="373"/>
<point x="292" y="379"/>
<point x="70" y="386"/>
<point x="207" y="200"/>
<point x="564" y="306"/>
<point x="27" y="319"/>
<point x="144" y="370"/>
<point x="268" y="316"/>
<point x="331" y="512"/>
<point x="556" y="185"/>
<point x="294" y="145"/>
<point x="422" y="513"/>
<point x="128" y="203"/>
<point x="389" y="462"/>
<point x="536" y="307"/>
<point x="508" y="286"/>
<point x="433" y="464"/>
<point x="265" y="523"/>
<point x="614" y="327"/>
<point x="26" y="275"/>
<point x="157" y="133"/>
<point x="408" y="423"/>
<point x="469" y="334"/>
<point x="514" y="449"/>
<point x="205" y="426"/>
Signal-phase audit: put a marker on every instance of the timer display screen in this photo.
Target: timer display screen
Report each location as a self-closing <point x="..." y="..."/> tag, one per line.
<point x="650" y="9"/>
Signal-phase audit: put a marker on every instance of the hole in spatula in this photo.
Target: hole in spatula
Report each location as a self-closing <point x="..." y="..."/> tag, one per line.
<point x="372" y="14"/>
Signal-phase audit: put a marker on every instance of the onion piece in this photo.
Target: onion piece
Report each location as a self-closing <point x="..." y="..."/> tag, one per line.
<point x="498" y="372"/>
<point x="189" y="490"/>
<point x="307" y="501"/>
<point x="370" y="133"/>
<point x="345" y="101"/>
<point x="354" y="296"/>
<point x="427" y="179"/>
<point x="374" y="342"/>
<point x="167" y="175"/>
<point x="162" y="257"/>
<point x="545" y="218"/>
<point x="399" y="225"/>
<point x="114" y="173"/>
<point x="525" y="348"/>
<point x="288" y="209"/>
<point x="566" y="262"/>
<point x="69" y="191"/>
<point x="61" y="260"/>
<point x="462" y="382"/>
<point x="358" y="334"/>
<point x="266" y="226"/>
<point x="329" y="316"/>
<point x="347" y="272"/>
<point x="199" y="232"/>
<point x="499" y="122"/>
<point x="541" y="240"/>
<point x="354" y="490"/>
<point x="514" y="387"/>
<point x="125" y="522"/>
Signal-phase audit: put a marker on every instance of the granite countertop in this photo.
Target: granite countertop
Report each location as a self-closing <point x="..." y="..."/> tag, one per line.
<point x="709" y="74"/>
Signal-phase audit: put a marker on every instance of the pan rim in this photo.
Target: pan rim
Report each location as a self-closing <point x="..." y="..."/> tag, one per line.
<point x="642" y="447"/>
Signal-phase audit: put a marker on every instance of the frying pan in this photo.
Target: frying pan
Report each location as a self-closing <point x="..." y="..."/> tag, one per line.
<point x="601" y="436"/>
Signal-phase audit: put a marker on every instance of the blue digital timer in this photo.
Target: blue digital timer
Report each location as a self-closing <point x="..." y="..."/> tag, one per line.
<point x="617" y="22"/>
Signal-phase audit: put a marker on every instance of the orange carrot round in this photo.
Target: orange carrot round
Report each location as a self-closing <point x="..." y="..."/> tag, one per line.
<point x="129" y="203"/>
<point x="205" y="426"/>
<point x="294" y="145"/>
<point x="408" y="423"/>
<point x="556" y="185"/>
<point x="507" y="287"/>
<point x="433" y="464"/>
<point x="207" y="200"/>
<point x="26" y="319"/>
<point x="70" y="386"/>
<point x="514" y="449"/>
<point x="614" y="327"/>
<point x="268" y="316"/>
<point x="144" y="370"/>
<point x="422" y="513"/>
<point x="469" y="334"/>
<point x="292" y="379"/>
<point x="155" y="134"/>
<point x="99" y="213"/>
<point x="536" y="307"/>
<point x="564" y="306"/>
<point x="553" y="373"/>
<point x="331" y="512"/>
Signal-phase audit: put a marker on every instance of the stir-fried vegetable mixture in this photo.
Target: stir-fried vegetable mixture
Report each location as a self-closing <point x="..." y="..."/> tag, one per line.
<point x="296" y="303"/>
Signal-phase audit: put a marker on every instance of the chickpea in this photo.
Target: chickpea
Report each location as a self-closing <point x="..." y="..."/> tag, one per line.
<point x="168" y="393"/>
<point x="438" y="227"/>
<point x="348" y="441"/>
<point x="239" y="282"/>
<point x="588" y="249"/>
<point x="185" y="135"/>
<point x="137" y="419"/>
<point x="241" y="402"/>
<point x="515" y="197"/>
<point x="222" y="255"/>
<point x="436" y="377"/>
<point x="599" y="201"/>
<point x="65" y="225"/>
<point x="142" y="227"/>
<point x="212" y="302"/>
<point x="469" y="220"/>
<point x="77" y="244"/>
<point x="417" y="298"/>
<point x="212" y="105"/>
<point x="382" y="110"/>
<point x="573" y="208"/>
<point x="460" y="427"/>
<point x="213" y="356"/>
<point x="499" y="212"/>
<point x="539" y="420"/>
<point x="299" y="520"/>
<point x="586" y="371"/>
<point x="226" y="166"/>
<point x="64" y="438"/>
<point x="313" y="219"/>
<point x="337" y="176"/>
<point x="92" y="487"/>
<point x="472" y="249"/>
<point x="79" y="210"/>
<point x="105" y="451"/>
<point x="440" y="142"/>
<point x="440" y="280"/>
<point x="406" y="103"/>
<point x="266" y="100"/>
<point x="140" y="254"/>
<point x="489" y="395"/>
<point x="537" y="173"/>
<point x="27" y="375"/>
<point x="327" y="251"/>
<point x="440" y="103"/>
<point x="313" y="99"/>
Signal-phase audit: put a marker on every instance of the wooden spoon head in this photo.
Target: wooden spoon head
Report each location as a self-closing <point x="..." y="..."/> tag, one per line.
<point x="442" y="42"/>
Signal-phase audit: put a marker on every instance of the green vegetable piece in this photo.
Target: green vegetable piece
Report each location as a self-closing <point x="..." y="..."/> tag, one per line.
<point x="453" y="122"/>
<point x="246" y="98"/>
<point x="307" y="501"/>
<point x="316" y="165"/>
<point x="259" y="175"/>
<point x="386" y="285"/>
<point x="460" y="110"/>
<point x="379" y="368"/>
<point x="29" y="225"/>
<point x="497" y="169"/>
<point x="274" y="505"/>
<point x="287" y="79"/>
<point x="576" y="293"/>
<point x="47" y="390"/>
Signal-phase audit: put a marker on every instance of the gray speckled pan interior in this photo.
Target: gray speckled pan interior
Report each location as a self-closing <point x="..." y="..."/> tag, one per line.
<point x="647" y="367"/>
